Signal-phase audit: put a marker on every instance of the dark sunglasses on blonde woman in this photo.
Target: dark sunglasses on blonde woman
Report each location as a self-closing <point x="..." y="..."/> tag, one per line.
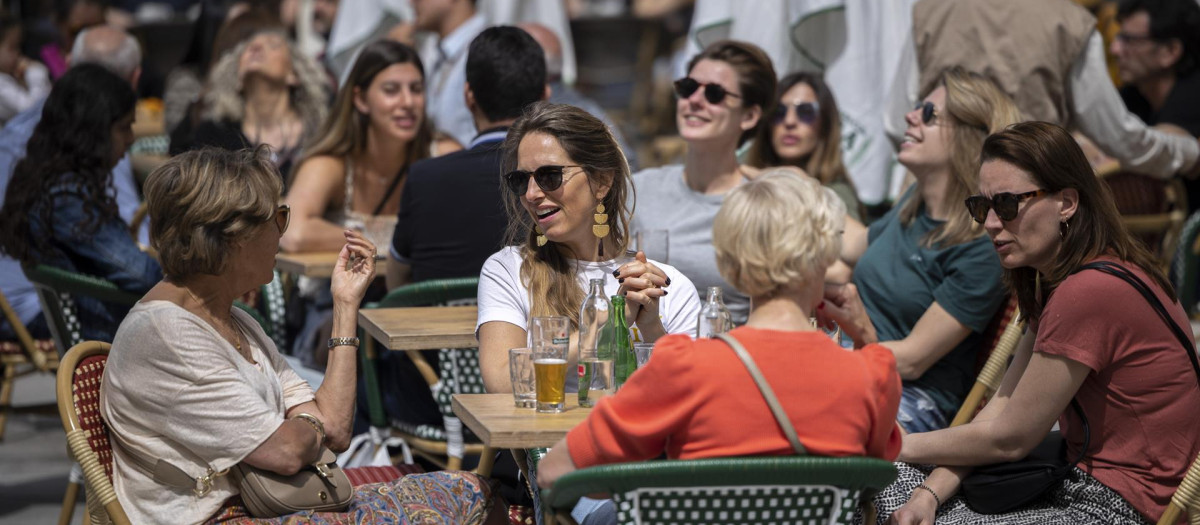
<point x="713" y="93"/>
<point x="929" y="112"/>
<point x="548" y="178"/>
<point x="1005" y="204"/>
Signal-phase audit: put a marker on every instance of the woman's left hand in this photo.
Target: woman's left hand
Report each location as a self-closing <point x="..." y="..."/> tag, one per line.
<point x="354" y="271"/>
<point x="642" y="284"/>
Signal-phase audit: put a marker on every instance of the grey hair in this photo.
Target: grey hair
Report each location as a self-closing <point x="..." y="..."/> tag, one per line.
<point x="309" y="98"/>
<point x="122" y="61"/>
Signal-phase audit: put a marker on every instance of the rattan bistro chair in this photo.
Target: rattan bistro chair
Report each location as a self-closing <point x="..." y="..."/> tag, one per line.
<point x="458" y="373"/>
<point x="726" y="491"/>
<point x="1186" y="499"/>
<point x="1006" y="334"/>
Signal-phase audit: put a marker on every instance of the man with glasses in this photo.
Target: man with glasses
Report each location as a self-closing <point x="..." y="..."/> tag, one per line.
<point x="1157" y="52"/>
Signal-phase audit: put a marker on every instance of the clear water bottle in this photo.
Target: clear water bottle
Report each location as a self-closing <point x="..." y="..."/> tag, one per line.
<point x="714" y="317"/>
<point x="595" y="355"/>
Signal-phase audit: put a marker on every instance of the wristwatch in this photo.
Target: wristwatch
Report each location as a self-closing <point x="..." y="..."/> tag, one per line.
<point x="343" y="341"/>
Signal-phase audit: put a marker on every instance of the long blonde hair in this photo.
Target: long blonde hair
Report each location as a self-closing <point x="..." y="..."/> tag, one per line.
<point x="975" y="108"/>
<point x="548" y="272"/>
<point x="344" y="133"/>
<point x="223" y="99"/>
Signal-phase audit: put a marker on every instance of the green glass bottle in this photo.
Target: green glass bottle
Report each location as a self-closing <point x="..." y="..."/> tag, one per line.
<point x="622" y="346"/>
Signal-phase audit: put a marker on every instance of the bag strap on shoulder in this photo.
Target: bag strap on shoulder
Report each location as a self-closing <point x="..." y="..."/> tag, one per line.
<point x="780" y="416"/>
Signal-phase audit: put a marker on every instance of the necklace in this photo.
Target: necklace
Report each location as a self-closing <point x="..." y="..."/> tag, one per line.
<point x="237" y="335"/>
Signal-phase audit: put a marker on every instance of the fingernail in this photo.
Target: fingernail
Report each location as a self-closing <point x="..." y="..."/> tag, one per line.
<point x="668" y="281"/>
<point x="623" y="292"/>
<point x="665" y="292"/>
<point x="619" y="281"/>
<point x="616" y="273"/>
<point x="821" y="306"/>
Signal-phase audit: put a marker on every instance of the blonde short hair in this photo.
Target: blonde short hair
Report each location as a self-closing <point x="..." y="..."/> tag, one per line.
<point x="203" y="203"/>
<point x="780" y="230"/>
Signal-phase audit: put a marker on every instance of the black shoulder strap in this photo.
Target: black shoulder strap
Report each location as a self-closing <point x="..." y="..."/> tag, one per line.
<point x="391" y="189"/>
<point x="1133" y="280"/>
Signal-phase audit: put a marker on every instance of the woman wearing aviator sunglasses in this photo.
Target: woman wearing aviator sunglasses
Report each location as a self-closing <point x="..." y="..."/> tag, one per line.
<point x="1092" y="338"/>
<point x="805" y="131"/>
<point x="720" y="105"/>
<point x="568" y="199"/>
<point x="926" y="272"/>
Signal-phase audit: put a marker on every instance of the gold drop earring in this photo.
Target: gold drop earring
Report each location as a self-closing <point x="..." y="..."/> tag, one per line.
<point x="600" y="229"/>
<point x="541" y="236"/>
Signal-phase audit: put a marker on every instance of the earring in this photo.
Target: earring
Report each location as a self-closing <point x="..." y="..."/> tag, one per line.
<point x="541" y="236"/>
<point x="1037" y="285"/>
<point x="1064" y="229"/>
<point x="600" y="229"/>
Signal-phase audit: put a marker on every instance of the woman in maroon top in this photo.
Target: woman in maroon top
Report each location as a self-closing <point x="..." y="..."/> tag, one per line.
<point x="1092" y="338"/>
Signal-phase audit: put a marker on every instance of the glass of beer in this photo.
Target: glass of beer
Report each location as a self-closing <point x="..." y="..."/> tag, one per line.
<point x="551" y="340"/>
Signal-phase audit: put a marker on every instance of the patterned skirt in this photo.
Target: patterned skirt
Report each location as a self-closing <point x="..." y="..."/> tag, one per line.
<point x="436" y="498"/>
<point x="1080" y="499"/>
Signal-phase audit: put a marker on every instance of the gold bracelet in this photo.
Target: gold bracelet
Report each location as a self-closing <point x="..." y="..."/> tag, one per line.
<point x="313" y="422"/>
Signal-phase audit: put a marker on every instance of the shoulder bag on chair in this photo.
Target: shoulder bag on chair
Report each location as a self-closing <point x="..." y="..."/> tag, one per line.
<point x="319" y="487"/>
<point x="767" y="393"/>
<point x="1006" y="487"/>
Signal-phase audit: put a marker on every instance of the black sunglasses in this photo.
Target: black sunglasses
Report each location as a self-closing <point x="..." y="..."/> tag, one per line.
<point x="806" y="112"/>
<point x="713" y="93"/>
<point x="1005" y="204"/>
<point x="548" y="178"/>
<point x="928" y="112"/>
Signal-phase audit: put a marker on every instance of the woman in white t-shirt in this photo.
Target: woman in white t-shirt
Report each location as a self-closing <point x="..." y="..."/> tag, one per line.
<point x="195" y="382"/>
<point x="567" y="182"/>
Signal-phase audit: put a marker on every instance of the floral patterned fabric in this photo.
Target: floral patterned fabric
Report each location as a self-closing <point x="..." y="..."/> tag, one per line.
<point x="436" y="498"/>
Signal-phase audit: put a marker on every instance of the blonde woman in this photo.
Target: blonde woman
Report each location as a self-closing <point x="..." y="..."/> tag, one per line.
<point x="926" y="272"/>
<point x="774" y="237"/>
<point x="263" y="92"/>
<point x="561" y="164"/>
<point x="353" y="173"/>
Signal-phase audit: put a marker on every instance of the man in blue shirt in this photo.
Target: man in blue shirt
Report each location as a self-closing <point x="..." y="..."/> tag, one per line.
<point x="119" y="52"/>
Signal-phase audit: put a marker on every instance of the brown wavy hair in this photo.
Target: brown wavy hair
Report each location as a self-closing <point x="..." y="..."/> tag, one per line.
<point x="1050" y="156"/>
<point x="548" y="272"/>
<point x="756" y="75"/>
<point x="975" y="107"/>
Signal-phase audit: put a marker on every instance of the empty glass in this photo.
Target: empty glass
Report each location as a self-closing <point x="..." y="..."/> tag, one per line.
<point x="641" y="352"/>
<point x="520" y="370"/>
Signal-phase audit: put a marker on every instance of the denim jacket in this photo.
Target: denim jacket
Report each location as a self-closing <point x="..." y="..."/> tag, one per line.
<point x="109" y="253"/>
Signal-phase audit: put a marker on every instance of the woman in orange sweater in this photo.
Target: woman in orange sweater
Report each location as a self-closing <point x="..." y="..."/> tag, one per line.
<point x="773" y="238"/>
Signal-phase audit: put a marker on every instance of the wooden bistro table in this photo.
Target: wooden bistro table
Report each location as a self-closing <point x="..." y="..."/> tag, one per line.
<point x="500" y="424"/>
<point x="317" y="265"/>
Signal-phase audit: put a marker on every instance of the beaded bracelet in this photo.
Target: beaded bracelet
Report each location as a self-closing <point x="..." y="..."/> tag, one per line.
<point x="313" y="422"/>
<point x="931" y="492"/>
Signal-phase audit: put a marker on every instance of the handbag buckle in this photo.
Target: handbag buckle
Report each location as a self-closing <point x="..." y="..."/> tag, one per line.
<point x="323" y="471"/>
<point x="204" y="483"/>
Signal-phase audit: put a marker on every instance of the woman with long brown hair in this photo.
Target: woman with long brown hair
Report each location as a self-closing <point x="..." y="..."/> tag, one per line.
<point x="1094" y="342"/>
<point x="564" y="171"/>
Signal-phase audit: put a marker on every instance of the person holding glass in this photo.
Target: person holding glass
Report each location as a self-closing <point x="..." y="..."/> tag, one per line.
<point x="805" y="131"/>
<point x="926" y="273"/>
<point x="568" y="197"/>
<point x="720" y="105"/>
<point x="773" y="237"/>
<point x="1093" y="341"/>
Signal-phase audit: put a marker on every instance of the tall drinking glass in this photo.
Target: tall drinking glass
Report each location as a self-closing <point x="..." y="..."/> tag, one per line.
<point x="520" y="370"/>
<point x="551" y="341"/>
<point x="654" y="243"/>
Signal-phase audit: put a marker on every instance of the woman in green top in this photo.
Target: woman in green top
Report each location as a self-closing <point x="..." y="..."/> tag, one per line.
<point x="805" y="131"/>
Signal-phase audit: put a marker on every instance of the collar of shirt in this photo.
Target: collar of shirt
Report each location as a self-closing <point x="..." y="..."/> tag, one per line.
<point x="456" y="43"/>
<point x="489" y="135"/>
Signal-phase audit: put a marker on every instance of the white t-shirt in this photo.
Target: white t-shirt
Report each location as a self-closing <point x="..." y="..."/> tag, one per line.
<point x="174" y="389"/>
<point x="502" y="296"/>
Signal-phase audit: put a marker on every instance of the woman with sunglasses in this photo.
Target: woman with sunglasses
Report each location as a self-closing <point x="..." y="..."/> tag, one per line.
<point x="1093" y="341"/>
<point x="194" y="381"/>
<point x="59" y="209"/>
<point x="806" y="132"/>
<point x="720" y="105"/>
<point x="926" y="273"/>
<point x="568" y="203"/>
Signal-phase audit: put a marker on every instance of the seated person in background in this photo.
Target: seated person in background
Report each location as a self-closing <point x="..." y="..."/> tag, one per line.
<point x="561" y="163"/>
<point x="59" y="209"/>
<point x="773" y="237"/>
<point x="262" y="92"/>
<point x="804" y="129"/>
<point x="1092" y="338"/>
<point x="452" y="210"/>
<point x="194" y="381"/>
<point x="926" y="272"/>
<point x="352" y="175"/>
<point x="23" y="82"/>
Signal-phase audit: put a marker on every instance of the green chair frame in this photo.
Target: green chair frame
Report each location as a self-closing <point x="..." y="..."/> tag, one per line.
<point x="459" y="373"/>
<point x="726" y="491"/>
<point x="56" y="290"/>
<point x="1185" y="268"/>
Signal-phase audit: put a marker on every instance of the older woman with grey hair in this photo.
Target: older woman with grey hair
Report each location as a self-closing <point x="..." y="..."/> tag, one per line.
<point x="195" y="382"/>
<point x="773" y="237"/>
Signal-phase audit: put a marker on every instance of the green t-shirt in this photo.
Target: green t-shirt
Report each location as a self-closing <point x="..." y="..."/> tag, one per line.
<point x="899" y="280"/>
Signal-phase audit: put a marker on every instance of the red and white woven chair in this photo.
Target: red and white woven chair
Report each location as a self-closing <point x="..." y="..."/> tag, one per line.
<point x="23" y="356"/>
